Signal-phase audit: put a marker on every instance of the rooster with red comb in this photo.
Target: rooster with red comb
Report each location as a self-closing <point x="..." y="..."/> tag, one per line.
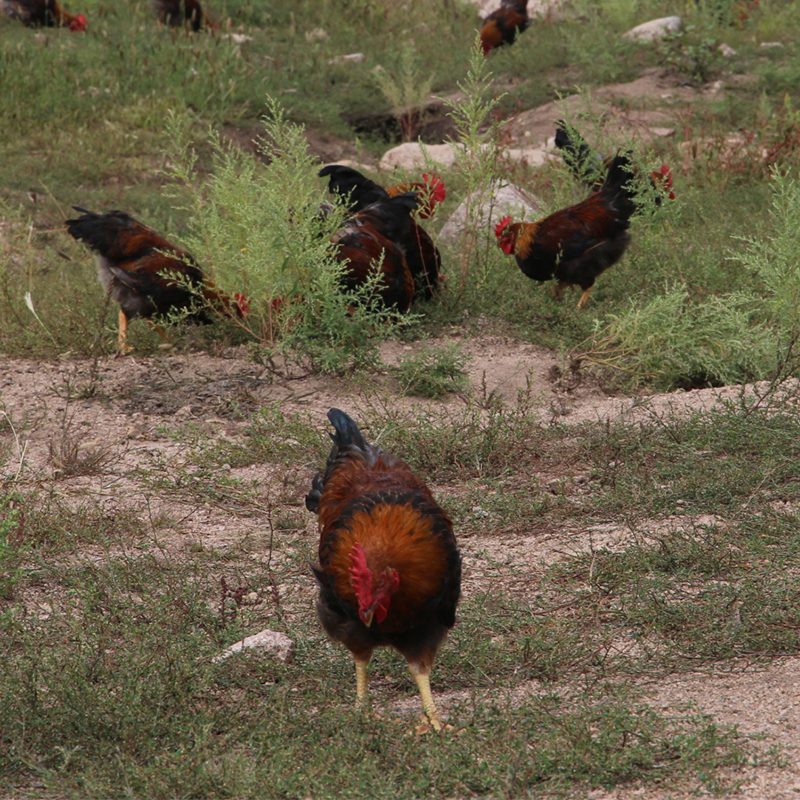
<point x="389" y="571"/>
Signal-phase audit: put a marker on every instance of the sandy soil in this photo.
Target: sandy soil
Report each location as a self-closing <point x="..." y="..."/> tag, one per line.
<point x="138" y="401"/>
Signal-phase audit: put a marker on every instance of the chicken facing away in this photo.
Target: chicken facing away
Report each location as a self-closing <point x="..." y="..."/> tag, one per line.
<point x="590" y="168"/>
<point x="421" y="254"/>
<point x="576" y="244"/>
<point x="501" y="26"/>
<point x="182" y="12"/>
<point x="43" y="13"/>
<point x="367" y="241"/>
<point x="389" y="571"/>
<point x="147" y="275"/>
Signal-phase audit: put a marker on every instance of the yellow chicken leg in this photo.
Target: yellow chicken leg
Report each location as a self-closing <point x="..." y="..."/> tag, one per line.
<point x="584" y="297"/>
<point x="362" y="681"/>
<point x="422" y="677"/>
<point x="122" y="340"/>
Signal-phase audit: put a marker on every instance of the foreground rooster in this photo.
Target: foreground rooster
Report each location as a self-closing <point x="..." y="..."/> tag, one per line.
<point x="578" y="243"/>
<point x="501" y="26"/>
<point x="421" y="254"/>
<point x="42" y="13"/>
<point x="180" y="12"/>
<point x="147" y="275"/>
<point x="389" y="570"/>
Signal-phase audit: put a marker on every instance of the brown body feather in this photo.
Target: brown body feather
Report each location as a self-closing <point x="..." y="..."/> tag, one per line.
<point x="182" y="12"/>
<point x="421" y="255"/>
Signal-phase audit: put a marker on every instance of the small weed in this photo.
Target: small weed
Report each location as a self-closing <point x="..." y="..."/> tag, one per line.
<point x="433" y="372"/>
<point x="692" y="51"/>
<point x="71" y="458"/>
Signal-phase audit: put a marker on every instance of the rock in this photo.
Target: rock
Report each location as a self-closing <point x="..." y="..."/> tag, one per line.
<point x="771" y="44"/>
<point x="726" y="50"/>
<point x="316" y="35"/>
<point x="237" y="38"/>
<point x="532" y="156"/>
<point x="488" y="207"/>
<point x="278" y="645"/>
<point x="409" y="156"/>
<point x="663" y="132"/>
<point x="351" y="58"/>
<point x="540" y="8"/>
<point x="655" y="29"/>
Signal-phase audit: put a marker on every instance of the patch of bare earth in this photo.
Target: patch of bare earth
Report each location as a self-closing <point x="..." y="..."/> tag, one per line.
<point x="130" y="407"/>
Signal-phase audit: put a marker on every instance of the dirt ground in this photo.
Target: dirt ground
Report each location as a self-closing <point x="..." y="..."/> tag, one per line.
<point x="138" y="400"/>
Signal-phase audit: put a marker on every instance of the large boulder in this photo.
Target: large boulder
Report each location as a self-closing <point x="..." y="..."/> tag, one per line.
<point x="653" y="30"/>
<point x="409" y="156"/>
<point x="487" y="207"/>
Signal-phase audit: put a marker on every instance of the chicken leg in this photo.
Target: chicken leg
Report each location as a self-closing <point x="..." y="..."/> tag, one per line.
<point x="422" y="676"/>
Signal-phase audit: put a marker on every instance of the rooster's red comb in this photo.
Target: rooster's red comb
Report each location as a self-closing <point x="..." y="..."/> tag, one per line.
<point x="436" y="186"/>
<point x="501" y="226"/>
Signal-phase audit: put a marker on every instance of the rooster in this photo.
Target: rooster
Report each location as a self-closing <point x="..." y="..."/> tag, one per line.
<point x="501" y="26"/>
<point x="389" y="571"/>
<point x="147" y="275"/>
<point x="590" y="168"/>
<point x="180" y="12"/>
<point x="421" y="254"/>
<point x="578" y="243"/>
<point x="43" y="13"/>
<point x="368" y="239"/>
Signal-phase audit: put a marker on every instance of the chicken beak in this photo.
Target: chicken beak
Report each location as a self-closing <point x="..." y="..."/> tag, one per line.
<point x="366" y="617"/>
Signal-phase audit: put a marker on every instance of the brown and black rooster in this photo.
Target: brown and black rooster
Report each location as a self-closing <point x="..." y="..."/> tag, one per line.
<point x="389" y="571"/>
<point x="367" y="241"/>
<point x="182" y="12"/>
<point x="421" y="254"/>
<point x="43" y="13"/>
<point x="578" y="243"/>
<point x="501" y="26"/>
<point x="147" y="275"/>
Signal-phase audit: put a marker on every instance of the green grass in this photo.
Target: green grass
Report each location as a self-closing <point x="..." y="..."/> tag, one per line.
<point x="112" y="602"/>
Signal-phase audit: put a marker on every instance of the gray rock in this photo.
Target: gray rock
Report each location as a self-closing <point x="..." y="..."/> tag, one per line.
<point x="655" y="29"/>
<point x="488" y="207"/>
<point x="278" y="645"/>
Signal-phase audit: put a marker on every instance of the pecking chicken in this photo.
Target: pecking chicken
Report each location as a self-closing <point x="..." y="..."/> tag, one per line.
<point x="389" y="571"/>
<point x="145" y="274"/>
<point x="43" y="13"/>
<point x="578" y="243"/>
<point x="590" y="168"/>
<point x="501" y="26"/>
<point x="182" y="12"/>
<point x="368" y="239"/>
<point x="421" y="254"/>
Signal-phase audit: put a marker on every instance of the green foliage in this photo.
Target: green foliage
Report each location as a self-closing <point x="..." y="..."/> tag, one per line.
<point x="692" y="51"/>
<point x="670" y="342"/>
<point x="406" y="93"/>
<point x="479" y="157"/>
<point x="433" y="372"/>
<point x="10" y="557"/>
<point x="262" y="230"/>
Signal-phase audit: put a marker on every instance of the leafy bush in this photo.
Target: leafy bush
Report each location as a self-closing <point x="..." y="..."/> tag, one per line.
<point x="261" y="232"/>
